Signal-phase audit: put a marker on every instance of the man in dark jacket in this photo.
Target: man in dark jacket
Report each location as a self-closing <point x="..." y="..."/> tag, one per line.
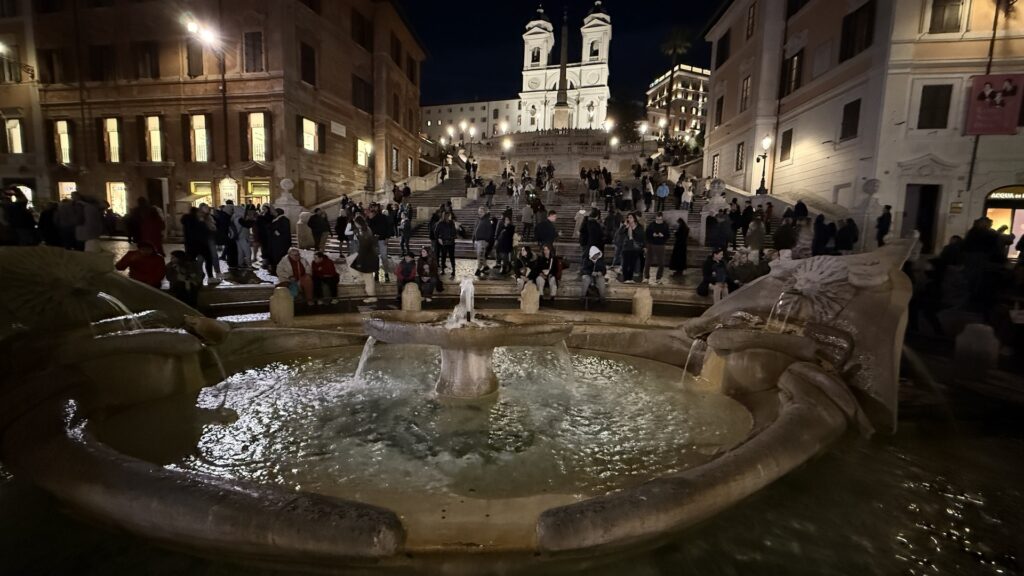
<point x="657" y="236"/>
<point x="883" y="224"/>
<point x="799" y="210"/>
<point x="489" y="193"/>
<point x="382" y="227"/>
<point x="320" y="228"/>
<point x="545" y="232"/>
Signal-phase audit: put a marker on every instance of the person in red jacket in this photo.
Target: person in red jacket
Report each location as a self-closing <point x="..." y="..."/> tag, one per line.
<point x="143" y="265"/>
<point x="325" y="275"/>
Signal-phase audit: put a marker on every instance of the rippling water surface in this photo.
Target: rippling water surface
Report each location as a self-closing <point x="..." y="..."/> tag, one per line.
<point x="578" y="425"/>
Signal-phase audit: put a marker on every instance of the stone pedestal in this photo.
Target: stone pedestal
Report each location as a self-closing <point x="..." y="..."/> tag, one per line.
<point x="643" y="304"/>
<point x="458" y="202"/>
<point x="282" y="307"/>
<point x="561" y="117"/>
<point x="304" y="233"/>
<point x="472" y="193"/>
<point x="285" y="201"/>
<point x="412" y="300"/>
<point x="423" y="213"/>
<point x="466" y="373"/>
<point x="529" y="299"/>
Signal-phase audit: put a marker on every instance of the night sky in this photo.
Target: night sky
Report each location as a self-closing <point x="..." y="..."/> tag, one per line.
<point x="474" y="48"/>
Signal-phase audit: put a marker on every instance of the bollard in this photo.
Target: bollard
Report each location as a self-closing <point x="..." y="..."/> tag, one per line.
<point x="282" y="307"/>
<point x="643" y="304"/>
<point x="529" y="299"/>
<point x="412" y="300"/>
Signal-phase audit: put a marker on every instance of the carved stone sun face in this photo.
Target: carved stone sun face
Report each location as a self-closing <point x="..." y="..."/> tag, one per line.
<point x="824" y="282"/>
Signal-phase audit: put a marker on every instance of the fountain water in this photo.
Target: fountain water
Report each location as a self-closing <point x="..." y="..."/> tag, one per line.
<point x="463" y="312"/>
<point x="367" y="350"/>
<point x="121" y="310"/>
<point x="697" y="343"/>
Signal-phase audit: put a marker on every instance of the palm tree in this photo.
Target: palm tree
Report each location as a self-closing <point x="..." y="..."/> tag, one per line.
<point x="675" y="46"/>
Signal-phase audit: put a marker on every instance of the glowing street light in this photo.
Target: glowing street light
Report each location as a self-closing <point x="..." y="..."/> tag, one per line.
<point x="472" y="134"/>
<point x="766" y="144"/>
<point x="210" y="38"/>
<point x="643" y="132"/>
<point x="608" y="124"/>
<point x="614" y="141"/>
<point x="504" y="127"/>
<point x="506" y="144"/>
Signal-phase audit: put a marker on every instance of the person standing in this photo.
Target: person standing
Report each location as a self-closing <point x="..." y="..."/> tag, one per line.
<point x="280" y="238"/>
<point x="755" y="239"/>
<point x="657" y="236"/>
<point x="320" y="228"/>
<point x="591" y="235"/>
<point x="489" y="192"/>
<point x="445" y="232"/>
<point x="243" y="221"/>
<point x="546" y="233"/>
<point x="366" y="261"/>
<point x="662" y="195"/>
<point x="381" y="225"/>
<point x="883" y="224"/>
<point x="504" y="244"/>
<point x="677" y="264"/>
<point x="482" y="233"/>
<point x="632" y="247"/>
<point x="89" y="223"/>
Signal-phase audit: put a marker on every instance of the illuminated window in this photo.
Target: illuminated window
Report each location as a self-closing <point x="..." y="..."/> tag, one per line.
<point x="258" y="137"/>
<point x="15" y="141"/>
<point x="200" y="141"/>
<point x="154" y="141"/>
<point x="740" y="156"/>
<point x="363" y="150"/>
<point x="408" y="167"/>
<point x="202" y="193"/>
<point x="745" y="94"/>
<point x="112" y="140"/>
<point x="394" y="159"/>
<point x="62" y="141"/>
<point x="257" y="192"/>
<point x="309" y="135"/>
<point x="715" y="165"/>
<point x="117" y="197"/>
<point x="65" y="189"/>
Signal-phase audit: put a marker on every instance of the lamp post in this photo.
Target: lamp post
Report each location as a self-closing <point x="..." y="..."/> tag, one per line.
<point x="608" y="125"/>
<point x="766" y="143"/>
<point x="462" y="132"/>
<point x="472" y="135"/>
<point x="643" y="144"/>
<point x="506" y="146"/>
<point x="504" y="127"/>
<point x="26" y="68"/>
<point x="209" y="38"/>
<point x="662" y="123"/>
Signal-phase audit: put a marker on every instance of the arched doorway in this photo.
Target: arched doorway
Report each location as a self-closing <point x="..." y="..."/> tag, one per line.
<point x="1005" y="207"/>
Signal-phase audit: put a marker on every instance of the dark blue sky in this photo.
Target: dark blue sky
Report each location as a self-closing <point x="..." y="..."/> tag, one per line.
<point x="474" y="48"/>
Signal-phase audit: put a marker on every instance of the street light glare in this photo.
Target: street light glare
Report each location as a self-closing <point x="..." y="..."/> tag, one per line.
<point x="662" y="123"/>
<point x="192" y="26"/>
<point x="609" y="124"/>
<point x="207" y="36"/>
<point x="643" y="127"/>
<point x="3" y="48"/>
<point x="615" y="141"/>
<point x="472" y="131"/>
<point x="506" y="144"/>
<point x="462" y="125"/>
<point x="766" y="143"/>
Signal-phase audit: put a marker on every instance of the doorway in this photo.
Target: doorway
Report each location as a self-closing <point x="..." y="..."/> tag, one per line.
<point x="921" y="212"/>
<point x="155" y="193"/>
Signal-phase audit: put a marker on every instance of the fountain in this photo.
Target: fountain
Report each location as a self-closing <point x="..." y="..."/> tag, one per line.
<point x="328" y="448"/>
<point x="467" y="341"/>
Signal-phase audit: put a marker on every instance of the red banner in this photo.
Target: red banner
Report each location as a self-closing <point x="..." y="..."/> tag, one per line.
<point x="994" y="104"/>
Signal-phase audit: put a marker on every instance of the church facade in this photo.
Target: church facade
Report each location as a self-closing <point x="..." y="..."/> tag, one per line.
<point x="586" y="87"/>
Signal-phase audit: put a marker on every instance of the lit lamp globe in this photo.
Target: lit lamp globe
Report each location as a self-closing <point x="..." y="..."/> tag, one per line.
<point x="506" y="145"/>
<point x="643" y="128"/>
<point x="504" y="127"/>
<point x="463" y="125"/>
<point x="615" y="141"/>
<point x="766" y="143"/>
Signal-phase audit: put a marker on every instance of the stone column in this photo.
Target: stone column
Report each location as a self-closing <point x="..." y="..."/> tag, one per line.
<point x="282" y="307"/>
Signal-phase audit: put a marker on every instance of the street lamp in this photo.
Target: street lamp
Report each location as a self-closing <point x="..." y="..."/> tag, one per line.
<point x="643" y="132"/>
<point x="210" y="38"/>
<point x="27" y="69"/>
<point x="462" y="130"/>
<point x="472" y="135"/>
<point x="766" y="144"/>
<point x="662" y="123"/>
<point x="504" y="127"/>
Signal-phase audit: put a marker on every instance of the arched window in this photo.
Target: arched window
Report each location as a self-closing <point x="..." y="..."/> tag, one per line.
<point x="535" y="56"/>
<point x="595" y="49"/>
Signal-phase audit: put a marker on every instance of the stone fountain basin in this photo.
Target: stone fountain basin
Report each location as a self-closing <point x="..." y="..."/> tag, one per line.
<point x="489" y="330"/>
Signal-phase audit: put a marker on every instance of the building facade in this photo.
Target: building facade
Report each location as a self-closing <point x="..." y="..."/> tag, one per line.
<point x="688" y="102"/>
<point x="132" y="111"/>
<point x="533" y="110"/>
<point x="864" y="106"/>
<point x="21" y="160"/>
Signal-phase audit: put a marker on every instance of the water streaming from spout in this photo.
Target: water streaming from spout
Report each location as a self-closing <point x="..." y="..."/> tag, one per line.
<point x="697" y="343"/>
<point x="463" y="313"/>
<point x="122" y="310"/>
<point x="367" y="350"/>
<point x="220" y="365"/>
<point x="563" y="359"/>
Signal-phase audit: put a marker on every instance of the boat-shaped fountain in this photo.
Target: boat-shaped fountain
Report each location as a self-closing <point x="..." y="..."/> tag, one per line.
<point x="309" y="447"/>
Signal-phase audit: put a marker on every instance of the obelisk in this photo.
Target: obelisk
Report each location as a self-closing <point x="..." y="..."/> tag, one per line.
<point x="561" y="116"/>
